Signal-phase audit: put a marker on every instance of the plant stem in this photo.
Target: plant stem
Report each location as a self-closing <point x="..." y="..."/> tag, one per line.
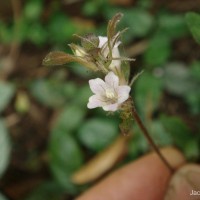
<point x="150" y="140"/>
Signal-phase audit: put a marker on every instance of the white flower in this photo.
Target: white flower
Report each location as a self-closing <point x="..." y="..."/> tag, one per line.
<point x="103" y="43"/>
<point x="108" y="94"/>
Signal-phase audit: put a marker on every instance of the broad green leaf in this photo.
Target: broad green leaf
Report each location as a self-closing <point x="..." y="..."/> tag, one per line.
<point x="5" y="147"/>
<point x="52" y="92"/>
<point x="192" y="149"/>
<point x="47" y="190"/>
<point x="37" y="34"/>
<point x="147" y="92"/>
<point x="139" y="21"/>
<point x="158" y="51"/>
<point x="182" y="136"/>
<point x="193" y="21"/>
<point x="60" y="28"/>
<point x="172" y="25"/>
<point x="33" y="9"/>
<point x="179" y="131"/>
<point x="195" y="70"/>
<point x="183" y="81"/>
<point x="84" y="92"/>
<point x="159" y="134"/>
<point x="92" y="8"/>
<point x="193" y="100"/>
<point x="70" y="118"/>
<point x="65" y="157"/>
<point x="177" y="79"/>
<point x="97" y="133"/>
<point x="6" y="94"/>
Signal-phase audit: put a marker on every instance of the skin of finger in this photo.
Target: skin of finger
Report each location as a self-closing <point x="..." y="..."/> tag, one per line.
<point x="144" y="179"/>
<point x="183" y="182"/>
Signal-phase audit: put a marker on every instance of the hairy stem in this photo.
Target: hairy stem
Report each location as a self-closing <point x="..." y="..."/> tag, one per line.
<point x="150" y="140"/>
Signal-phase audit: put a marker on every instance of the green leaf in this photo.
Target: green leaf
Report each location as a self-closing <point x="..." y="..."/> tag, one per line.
<point x="97" y="133"/>
<point x="139" y="21"/>
<point x="37" y="34"/>
<point x="182" y="136"/>
<point x="52" y="92"/>
<point x="84" y="92"/>
<point x="6" y="94"/>
<point x="192" y="149"/>
<point x="33" y="9"/>
<point x="147" y="92"/>
<point x="65" y="157"/>
<point x="47" y="190"/>
<point x="193" y="21"/>
<point x="172" y="26"/>
<point x="60" y="28"/>
<point x="159" y="134"/>
<point x="5" y="147"/>
<point x="193" y="100"/>
<point x="158" y="51"/>
<point x="92" y="8"/>
<point x="195" y="70"/>
<point x="70" y="118"/>
<point x="177" y="79"/>
<point x="177" y="129"/>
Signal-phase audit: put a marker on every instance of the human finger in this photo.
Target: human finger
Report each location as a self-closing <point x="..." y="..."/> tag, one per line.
<point x="145" y="179"/>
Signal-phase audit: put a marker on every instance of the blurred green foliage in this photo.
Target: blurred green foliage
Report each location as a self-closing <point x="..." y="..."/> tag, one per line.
<point x="77" y="133"/>
<point x="193" y="21"/>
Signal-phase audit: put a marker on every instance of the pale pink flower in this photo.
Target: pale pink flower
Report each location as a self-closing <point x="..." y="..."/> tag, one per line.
<point x="108" y="94"/>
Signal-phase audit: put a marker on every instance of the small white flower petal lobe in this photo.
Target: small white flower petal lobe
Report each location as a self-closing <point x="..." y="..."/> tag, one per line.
<point x="102" y="41"/>
<point x="95" y="101"/>
<point x="117" y="44"/>
<point x="123" y="93"/>
<point x="115" y="63"/>
<point x="111" y="107"/>
<point x="97" y="86"/>
<point x="112" y="80"/>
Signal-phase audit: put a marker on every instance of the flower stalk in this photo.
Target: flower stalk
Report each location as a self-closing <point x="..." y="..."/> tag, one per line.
<point x="149" y="139"/>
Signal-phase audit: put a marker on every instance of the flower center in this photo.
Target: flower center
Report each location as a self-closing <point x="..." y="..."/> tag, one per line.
<point x="110" y="94"/>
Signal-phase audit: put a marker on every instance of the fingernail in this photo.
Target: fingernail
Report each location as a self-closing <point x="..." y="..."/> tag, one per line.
<point x="193" y="177"/>
<point x="185" y="184"/>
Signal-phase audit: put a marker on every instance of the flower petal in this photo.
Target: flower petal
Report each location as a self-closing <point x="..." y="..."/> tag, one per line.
<point x="123" y="93"/>
<point x="117" y="44"/>
<point x="95" y="101"/>
<point x="115" y="63"/>
<point x="112" y="80"/>
<point x="102" y="41"/>
<point x="111" y="107"/>
<point x="97" y="86"/>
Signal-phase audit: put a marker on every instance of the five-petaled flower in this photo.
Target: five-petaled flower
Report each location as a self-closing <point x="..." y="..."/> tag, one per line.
<point x="108" y="94"/>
